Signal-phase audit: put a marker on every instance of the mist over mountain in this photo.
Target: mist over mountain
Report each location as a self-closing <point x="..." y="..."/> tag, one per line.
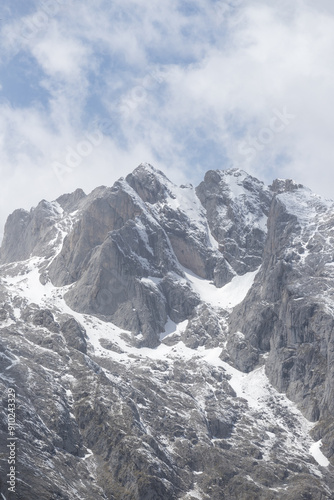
<point x="170" y="342"/>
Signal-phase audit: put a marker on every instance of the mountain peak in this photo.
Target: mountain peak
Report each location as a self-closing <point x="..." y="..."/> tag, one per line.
<point x="69" y="202"/>
<point x="147" y="168"/>
<point x="150" y="183"/>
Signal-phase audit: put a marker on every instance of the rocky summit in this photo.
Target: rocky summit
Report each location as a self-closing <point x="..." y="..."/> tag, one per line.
<point x="162" y="342"/>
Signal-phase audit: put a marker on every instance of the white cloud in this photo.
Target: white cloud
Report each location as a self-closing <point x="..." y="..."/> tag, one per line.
<point x="60" y="56"/>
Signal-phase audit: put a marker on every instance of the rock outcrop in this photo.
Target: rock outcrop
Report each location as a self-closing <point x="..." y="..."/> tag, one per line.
<point x="237" y="207"/>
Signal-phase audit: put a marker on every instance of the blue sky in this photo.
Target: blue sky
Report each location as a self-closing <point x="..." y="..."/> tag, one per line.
<point x="90" y="90"/>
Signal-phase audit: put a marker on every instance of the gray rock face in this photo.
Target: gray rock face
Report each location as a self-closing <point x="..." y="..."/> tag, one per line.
<point x="74" y="334"/>
<point x="71" y="201"/>
<point x="150" y="184"/>
<point x="28" y="233"/>
<point x="150" y="362"/>
<point x="45" y="318"/>
<point x="205" y="328"/>
<point x="237" y="207"/>
<point x="113" y="284"/>
<point x="180" y="298"/>
<point x="105" y="210"/>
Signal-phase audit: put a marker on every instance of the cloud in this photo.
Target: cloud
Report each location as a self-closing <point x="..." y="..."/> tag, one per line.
<point x="61" y="57"/>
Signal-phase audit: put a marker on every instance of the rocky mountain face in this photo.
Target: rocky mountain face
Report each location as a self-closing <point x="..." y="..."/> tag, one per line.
<point x="170" y="342"/>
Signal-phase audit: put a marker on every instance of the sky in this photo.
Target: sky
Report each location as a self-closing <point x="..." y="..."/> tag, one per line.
<point x="89" y="90"/>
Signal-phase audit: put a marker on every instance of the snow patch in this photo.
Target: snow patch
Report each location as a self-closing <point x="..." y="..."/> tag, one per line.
<point x="89" y="454"/>
<point x="304" y="204"/>
<point x="318" y="455"/>
<point x="194" y="493"/>
<point x="226" y="297"/>
<point x="234" y="182"/>
<point x="29" y="283"/>
<point x="149" y="282"/>
<point x="173" y="328"/>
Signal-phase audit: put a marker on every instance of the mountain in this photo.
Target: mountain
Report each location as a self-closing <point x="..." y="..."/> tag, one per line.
<point x="169" y="342"/>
